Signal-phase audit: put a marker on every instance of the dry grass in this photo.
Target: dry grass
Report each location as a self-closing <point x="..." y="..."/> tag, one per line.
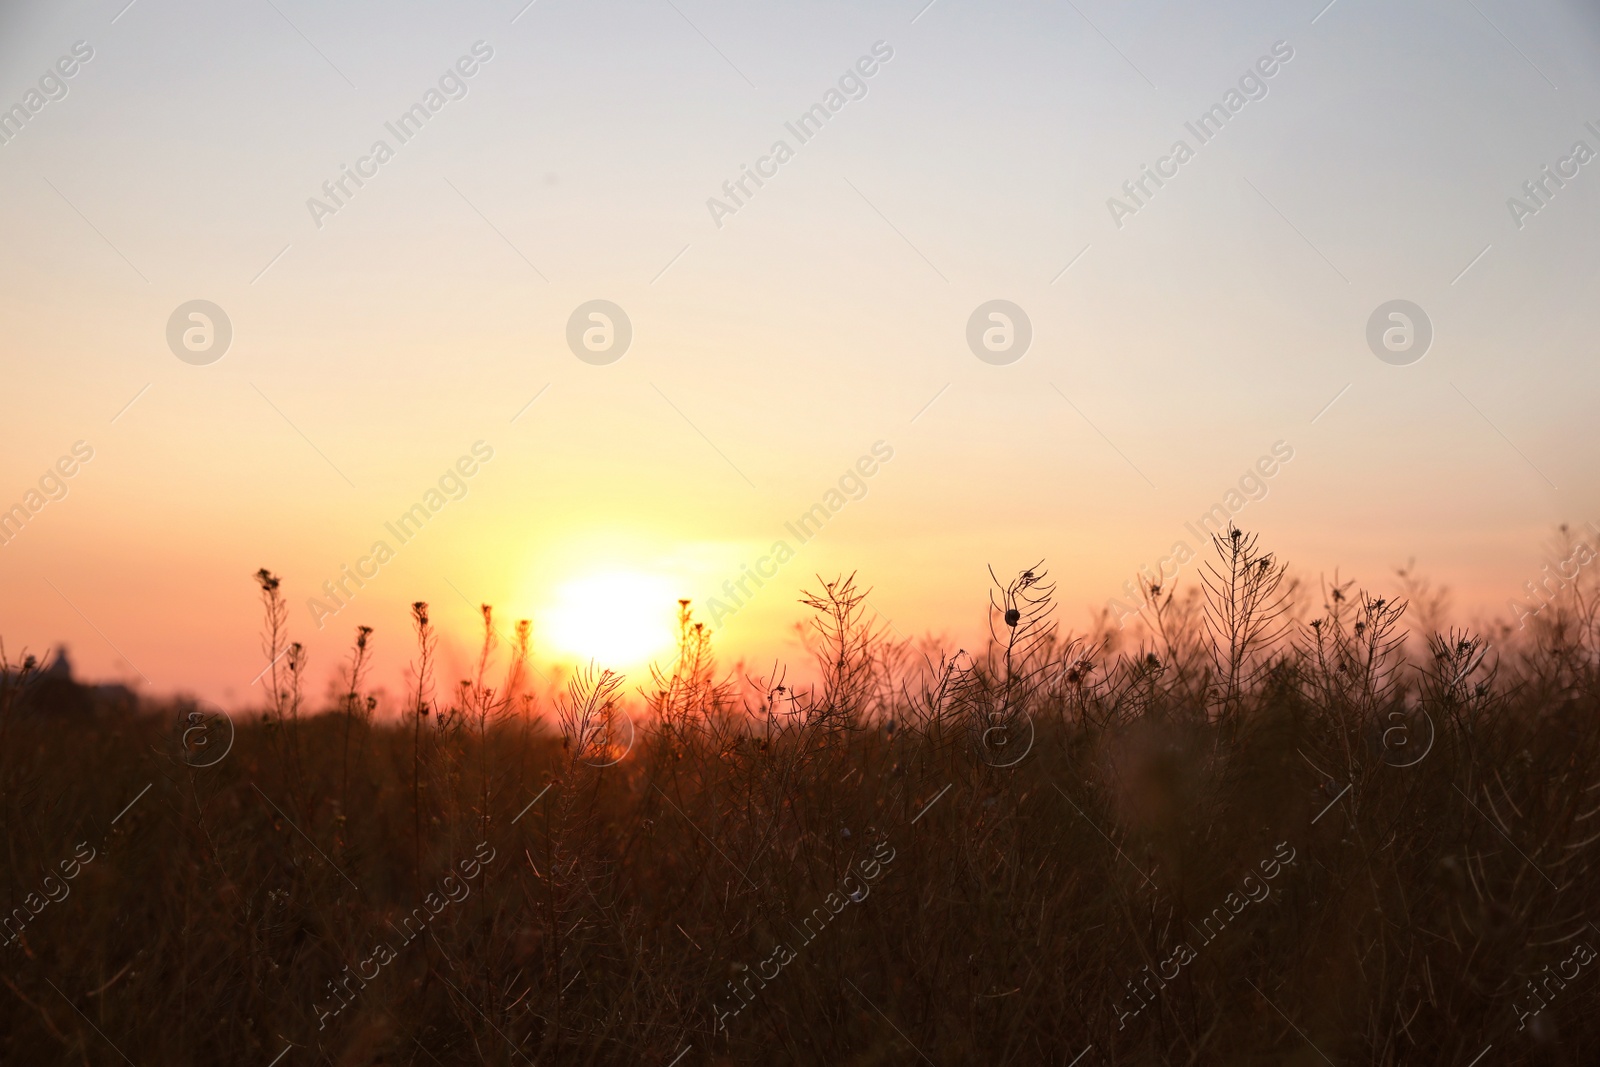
<point x="865" y="871"/>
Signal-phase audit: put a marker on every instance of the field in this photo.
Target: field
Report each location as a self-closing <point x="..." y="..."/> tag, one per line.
<point x="1279" y="824"/>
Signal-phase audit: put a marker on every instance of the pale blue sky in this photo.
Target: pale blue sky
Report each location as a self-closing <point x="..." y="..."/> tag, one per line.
<point x="820" y="318"/>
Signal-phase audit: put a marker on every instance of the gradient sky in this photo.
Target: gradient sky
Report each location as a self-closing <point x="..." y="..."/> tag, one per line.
<point x="769" y="353"/>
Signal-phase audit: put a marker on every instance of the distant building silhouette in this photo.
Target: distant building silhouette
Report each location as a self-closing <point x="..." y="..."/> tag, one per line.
<point x="56" y="691"/>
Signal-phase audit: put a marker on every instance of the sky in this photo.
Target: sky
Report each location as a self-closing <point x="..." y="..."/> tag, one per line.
<point x="826" y="337"/>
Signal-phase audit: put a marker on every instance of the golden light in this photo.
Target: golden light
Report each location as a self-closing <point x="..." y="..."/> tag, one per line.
<point x="617" y="619"/>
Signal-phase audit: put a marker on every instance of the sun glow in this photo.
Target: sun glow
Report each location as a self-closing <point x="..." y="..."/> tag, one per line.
<point x="618" y="619"/>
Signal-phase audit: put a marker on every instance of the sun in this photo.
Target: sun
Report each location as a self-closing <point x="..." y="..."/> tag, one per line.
<point x="617" y="619"/>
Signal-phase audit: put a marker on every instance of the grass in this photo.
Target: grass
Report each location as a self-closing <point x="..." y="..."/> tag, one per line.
<point x="1270" y="828"/>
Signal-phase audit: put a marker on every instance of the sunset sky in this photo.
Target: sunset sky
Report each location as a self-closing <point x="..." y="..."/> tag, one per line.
<point x="382" y="331"/>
